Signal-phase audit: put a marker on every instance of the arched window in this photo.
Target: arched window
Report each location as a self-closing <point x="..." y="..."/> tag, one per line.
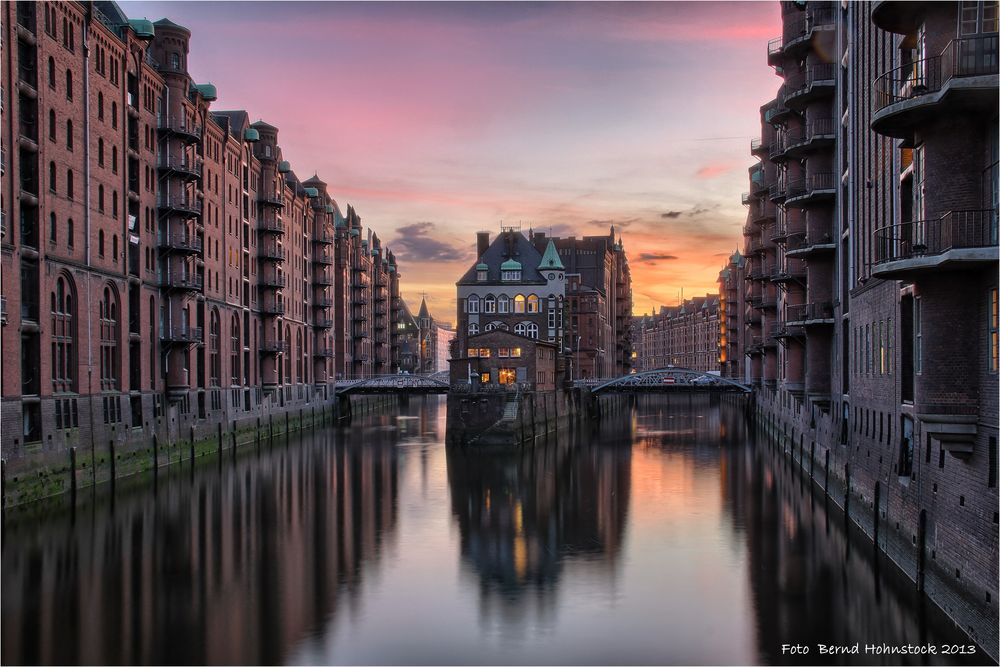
<point x="52" y="227"/>
<point x="100" y="198"/>
<point x="100" y="106"/>
<point x="288" y="356"/>
<point x="234" y="352"/>
<point x="473" y="304"/>
<point x="100" y="243"/>
<point x="108" y="311"/>
<point x="100" y="151"/>
<point x="519" y="329"/>
<point x="114" y="159"/>
<point x="503" y="304"/>
<point x="114" y="204"/>
<point x="473" y="328"/>
<point x="175" y="60"/>
<point x="492" y="326"/>
<point x="52" y="176"/>
<point x="69" y="84"/>
<point x="114" y="248"/>
<point x="114" y="114"/>
<point x="52" y="72"/>
<point x="532" y="330"/>
<point x="52" y="125"/>
<point x="519" y="303"/>
<point x="490" y="304"/>
<point x="299" y="360"/>
<point x="63" y="336"/>
<point x="152" y="345"/>
<point x="214" y="364"/>
<point x="69" y="135"/>
<point x="69" y="183"/>
<point x="532" y="303"/>
<point x="69" y="233"/>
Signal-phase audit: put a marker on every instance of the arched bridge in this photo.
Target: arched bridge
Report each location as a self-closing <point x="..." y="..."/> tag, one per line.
<point x="670" y="379"/>
<point x="433" y="383"/>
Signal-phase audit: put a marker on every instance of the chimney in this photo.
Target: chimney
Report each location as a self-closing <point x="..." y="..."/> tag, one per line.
<point x="482" y="243"/>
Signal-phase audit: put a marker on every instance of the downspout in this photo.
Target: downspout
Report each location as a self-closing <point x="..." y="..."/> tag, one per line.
<point x="86" y="233"/>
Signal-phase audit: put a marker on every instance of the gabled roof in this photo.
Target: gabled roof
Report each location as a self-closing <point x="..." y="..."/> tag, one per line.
<point x="507" y="245"/>
<point x="234" y="121"/>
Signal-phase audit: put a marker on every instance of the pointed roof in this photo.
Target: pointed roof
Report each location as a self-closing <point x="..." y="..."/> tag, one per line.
<point x="550" y="260"/>
<point x="423" y="309"/>
<point x="508" y="246"/>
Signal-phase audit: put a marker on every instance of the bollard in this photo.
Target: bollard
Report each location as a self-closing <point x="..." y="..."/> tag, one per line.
<point x="72" y="473"/>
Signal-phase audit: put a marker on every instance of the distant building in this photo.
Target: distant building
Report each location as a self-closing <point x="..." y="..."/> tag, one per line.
<point x="408" y="336"/>
<point x="731" y="317"/>
<point x="434" y="342"/>
<point x="686" y="336"/>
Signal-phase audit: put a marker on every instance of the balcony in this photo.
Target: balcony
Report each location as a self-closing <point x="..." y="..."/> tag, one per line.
<point x="759" y="147"/>
<point x="763" y="302"/>
<point x="273" y="346"/>
<point x="324" y="237"/>
<point x="270" y="252"/>
<point x="775" y="48"/>
<point x="754" y="245"/>
<point x="784" y="331"/>
<point x="777" y="192"/>
<point x="962" y="79"/>
<point x="187" y="206"/>
<point x="272" y="282"/>
<point x="180" y="165"/>
<point x="323" y="279"/>
<point x="191" y="282"/>
<point x="180" y="127"/>
<point x="322" y="302"/>
<point x="793" y="272"/>
<point x="817" y="80"/>
<point x="778" y="232"/>
<point x="956" y="240"/>
<point x="745" y="198"/>
<point x="272" y="199"/>
<point x="322" y="258"/>
<point x="809" y="314"/>
<point x="801" y="246"/>
<point x="777" y="113"/>
<point x="191" y="245"/>
<point x="763" y="211"/>
<point x="323" y="323"/>
<point x="272" y="226"/>
<point x="182" y="334"/>
<point x="811" y="190"/>
<point x="273" y="309"/>
<point x="798" y="33"/>
<point x="899" y="16"/>
<point x="323" y="352"/>
<point x="818" y="133"/>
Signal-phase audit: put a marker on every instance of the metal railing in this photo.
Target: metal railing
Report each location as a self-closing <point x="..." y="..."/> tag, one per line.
<point x="181" y="333"/>
<point x="274" y="346"/>
<point x="276" y="226"/>
<point x="179" y="163"/>
<point x="798" y="83"/>
<point x="805" y="312"/>
<point x="179" y="203"/>
<point x="919" y="238"/>
<point x="970" y="56"/>
<point x="179" y="242"/>
<point x="811" y="184"/>
<point x="178" y="124"/>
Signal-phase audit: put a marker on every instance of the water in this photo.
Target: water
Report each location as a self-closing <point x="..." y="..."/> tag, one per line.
<point x="664" y="536"/>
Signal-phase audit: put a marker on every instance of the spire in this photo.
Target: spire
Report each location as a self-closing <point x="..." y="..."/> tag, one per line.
<point x="423" y="308"/>
<point x="550" y="260"/>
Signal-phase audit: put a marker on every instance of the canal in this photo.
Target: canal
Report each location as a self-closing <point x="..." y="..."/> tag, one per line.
<point x="664" y="535"/>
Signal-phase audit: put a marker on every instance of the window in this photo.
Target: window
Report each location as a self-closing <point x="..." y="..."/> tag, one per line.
<point x="108" y="311"/>
<point x="69" y="183"/>
<point x="503" y="352"/>
<point x="515" y="352"/>
<point x="69" y="85"/>
<point x="100" y="152"/>
<point x="175" y="60"/>
<point x="506" y="376"/>
<point x="114" y="159"/>
<point x="484" y="377"/>
<point x="503" y="304"/>
<point x="473" y="304"/>
<point x="114" y="114"/>
<point x="69" y="135"/>
<point x="100" y="106"/>
<point x="472" y="352"/>
<point x="991" y="479"/>
<point x="114" y="248"/>
<point x="234" y="352"/>
<point x="52" y="176"/>
<point x="481" y="275"/>
<point x="100" y="198"/>
<point x="490" y="304"/>
<point x="52" y="228"/>
<point x="917" y="336"/>
<point x="52" y="73"/>
<point x="52" y="125"/>
<point x="473" y="328"/>
<point x="532" y="303"/>
<point x="69" y="233"/>
<point x="484" y="353"/>
<point x="994" y="360"/>
<point x="100" y="243"/>
<point x="63" y="335"/>
<point x="519" y="303"/>
<point x="906" y="447"/>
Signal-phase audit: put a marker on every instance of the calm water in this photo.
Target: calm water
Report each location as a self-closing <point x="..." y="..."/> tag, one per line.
<point x="664" y="536"/>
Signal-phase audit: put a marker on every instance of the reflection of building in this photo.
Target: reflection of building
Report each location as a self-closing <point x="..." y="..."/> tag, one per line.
<point x="686" y="336"/>
<point x="522" y="516"/>
<point x="872" y="301"/>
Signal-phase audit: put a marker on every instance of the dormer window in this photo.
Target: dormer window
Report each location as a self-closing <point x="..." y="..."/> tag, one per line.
<point x="481" y="276"/>
<point x="482" y="272"/>
<point x="510" y="271"/>
<point x="511" y="276"/>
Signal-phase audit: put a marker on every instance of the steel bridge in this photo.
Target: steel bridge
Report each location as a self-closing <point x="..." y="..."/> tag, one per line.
<point x="670" y="379"/>
<point x="401" y="383"/>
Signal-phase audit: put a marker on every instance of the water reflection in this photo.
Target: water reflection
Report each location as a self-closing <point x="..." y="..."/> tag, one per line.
<point x="663" y="535"/>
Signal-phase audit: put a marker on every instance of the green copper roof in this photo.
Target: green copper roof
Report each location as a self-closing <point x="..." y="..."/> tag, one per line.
<point x="355" y="232"/>
<point x="312" y="192"/>
<point x="284" y="167"/>
<point x="329" y="208"/>
<point x="207" y="91"/>
<point x="482" y="266"/>
<point x="251" y="134"/>
<point x="550" y="260"/>
<point x="511" y="265"/>
<point x="143" y="28"/>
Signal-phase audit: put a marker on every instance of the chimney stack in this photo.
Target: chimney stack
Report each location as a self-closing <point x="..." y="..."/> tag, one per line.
<point x="482" y="243"/>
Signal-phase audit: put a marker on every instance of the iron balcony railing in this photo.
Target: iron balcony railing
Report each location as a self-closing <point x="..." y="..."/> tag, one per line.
<point x="969" y="56"/>
<point x="181" y="333"/>
<point x="323" y="237"/>
<point x="274" y="346"/>
<point x="745" y="198"/>
<point x="192" y="281"/>
<point x="814" y="129"/>
<point x="179" y="203"/>
<point x="323" y="322"/>
<point x="323" y="302"/>
<point x="323" y="352"/>
<point x="799" y="83"/>
<point x="273" y="309"/>
<point x="919" y="238"/>
<point x="271" y="252"/>
<point x="808" y="312"/>
<point x="811" y="184"/>
<point x="774" y="46"/>
<point x="795" y="31"/>
<point x="178" y="125"/>
<point x="179" y="163"/>
<point x="181" y="243"/>
<point x="274" y="226"/>
<point x="272" y="199"/>
<point x="272" y="281"/>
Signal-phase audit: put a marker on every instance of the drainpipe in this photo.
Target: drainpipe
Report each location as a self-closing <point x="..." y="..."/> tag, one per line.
<point x="86" y="231"/>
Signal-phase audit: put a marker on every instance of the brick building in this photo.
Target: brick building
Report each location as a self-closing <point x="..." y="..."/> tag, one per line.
<point x="732" y="318"/>
<point x="162" y="265"/>
<point x="686" y="336"/>
<point x="434" y="342"/>
<point x="871" y="301"/>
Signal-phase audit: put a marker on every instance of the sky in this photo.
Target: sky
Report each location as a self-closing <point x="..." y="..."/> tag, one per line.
<point x="436" y="120"/>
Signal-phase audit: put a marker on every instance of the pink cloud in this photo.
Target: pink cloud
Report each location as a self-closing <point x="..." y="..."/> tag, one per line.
<point x="713" y="170"/>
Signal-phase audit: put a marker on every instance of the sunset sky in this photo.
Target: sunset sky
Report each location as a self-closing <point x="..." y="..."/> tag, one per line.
<point x="438" y="120"/>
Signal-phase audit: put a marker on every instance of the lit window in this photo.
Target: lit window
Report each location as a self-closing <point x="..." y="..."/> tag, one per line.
<point x="515" y="352"/>
<point x="484" y="378"/>
<point x="994" y="326"/>
<point x="484" y="352"/>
